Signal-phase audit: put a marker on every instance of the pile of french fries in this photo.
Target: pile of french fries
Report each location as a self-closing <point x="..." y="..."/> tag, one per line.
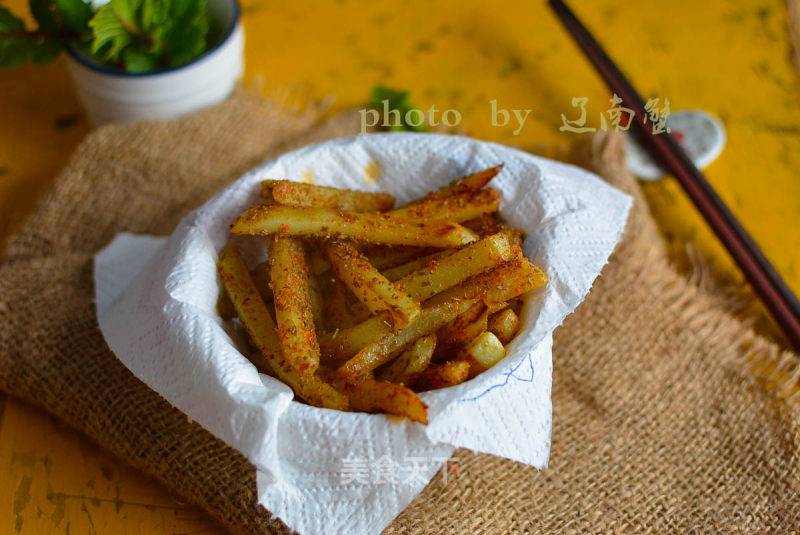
<point x="360" y="306"/>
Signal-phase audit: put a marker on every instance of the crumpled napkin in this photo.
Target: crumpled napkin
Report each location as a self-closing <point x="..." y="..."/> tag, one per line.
<point x="323" y="471"/>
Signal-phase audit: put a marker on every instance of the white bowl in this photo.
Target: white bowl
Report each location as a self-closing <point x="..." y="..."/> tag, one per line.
<point x="110" y="95"/>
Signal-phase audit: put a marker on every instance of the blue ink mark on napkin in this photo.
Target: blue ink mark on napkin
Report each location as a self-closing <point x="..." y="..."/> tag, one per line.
<point x="508" y="375"/>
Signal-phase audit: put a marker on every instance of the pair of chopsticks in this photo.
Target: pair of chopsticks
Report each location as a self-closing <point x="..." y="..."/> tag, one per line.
<point x="767" y="283"/>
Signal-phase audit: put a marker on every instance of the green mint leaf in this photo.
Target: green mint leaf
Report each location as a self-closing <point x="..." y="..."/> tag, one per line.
<point x="44" y="13"/>
<point x="47" y="51"/>
<point x="14" y="50"/>
<point x="75" y="14"/>
<point x="10" y="23"/>
<point x="149" y="34"/>
<point x="186" y="38"/>
<point x="396" y="100"/>
<point x="139" y="60"/>
<point x="111" y="34"/>
<point x="155" y="16"/>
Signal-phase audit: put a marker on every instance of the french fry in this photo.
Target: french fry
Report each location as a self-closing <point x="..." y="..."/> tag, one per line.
<point x="466" y="184"/>
<point x="260" y="327"/>
<point x="266" y="192"/>
<point x="388" y="256"/>
<point x="461" y="331"/>
<point x="261" y="277"/>
<point x="371" y="227"/>
<point x="338" y="346"/>
<point x="504" y="325"/>
<point x="370" y="287"/>
<point x="516" y="305"/>
<point x="303" y="194"/>
<point x="338" y="314"/>
<point x="487" y="225"/>
<point x="317" y="302"/>
<point x="442" y="376"/>
<point x="293" y="311"/>
<point x="456" y="208"/>
<point x="482" y="353"/>
<point x="398" y="272"/>
<point x="225" y="308"/>
<point x="411" y="361"/>
<point x="498" y="285"/>
<point x="369" y="395"/>
<point x="419" y="285"/>
<point x="457" y="267"/>
<point x="384" y="349"/>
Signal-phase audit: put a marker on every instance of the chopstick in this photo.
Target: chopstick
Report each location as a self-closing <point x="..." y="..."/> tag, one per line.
<point x="765" y="280"/>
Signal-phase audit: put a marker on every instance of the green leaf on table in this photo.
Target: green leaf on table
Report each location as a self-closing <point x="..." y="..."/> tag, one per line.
<point x="396" y="99"/>
<point x="75" y="14"/>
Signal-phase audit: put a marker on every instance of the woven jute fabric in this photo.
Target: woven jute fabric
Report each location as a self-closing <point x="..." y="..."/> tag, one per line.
<point x="669" y="414"/>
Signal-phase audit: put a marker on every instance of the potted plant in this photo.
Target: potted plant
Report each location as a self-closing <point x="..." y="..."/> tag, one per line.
<point x="134" y="59"/>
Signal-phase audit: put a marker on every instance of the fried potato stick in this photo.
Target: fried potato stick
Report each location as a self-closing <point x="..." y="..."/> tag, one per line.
<point x="303" y="194"/>
<point x="327" y="222"/>
<point x="261" y="328"/>
<point x="369" y="286"/>
<point x="383" y="350"/>
<point x="467" y="184"/>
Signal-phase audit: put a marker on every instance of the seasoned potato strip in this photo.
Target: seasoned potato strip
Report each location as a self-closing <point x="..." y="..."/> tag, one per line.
<point x="266" y="192"/>
<point x="457" y="208"/>
<point x="419" y="285"/>
<point x="371" y="288"/>
<point x="225" y="308"/>
<point x="338" y="314"/>
<point x="260" y="327"/>
<point x="302" y="194"/>
<point x="461" y="265"/>
<point x="381" y="351"/>
<point x="504" y="325"/>
<point x="368" y="395"/>
<point x="293" y="310"/>
<point x="387" y="256"/>
<point x="441" y="376"/>
<point x="398" y="272"/>
<point x="482" y="353"/>
<point x="317" y="303"/>
<point x="498" y="285"/>
<point x="380" y="228"/>
<point x="411" y="361"/>
<point x="461" y="331"/>
<point x="346" y="342"/>
<point x="261" y="278"/>
<point x="466" y="184"/>
<point x="487" y="225"/>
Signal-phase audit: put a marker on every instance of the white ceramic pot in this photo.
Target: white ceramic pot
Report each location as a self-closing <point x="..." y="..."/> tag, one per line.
<point x="111" y="95"/>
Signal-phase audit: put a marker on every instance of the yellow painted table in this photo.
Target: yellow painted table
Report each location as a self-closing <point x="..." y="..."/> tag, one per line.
<point x="733" y="59"/>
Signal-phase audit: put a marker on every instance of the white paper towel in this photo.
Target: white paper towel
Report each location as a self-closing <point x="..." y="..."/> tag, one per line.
<point x="323" y="471"/>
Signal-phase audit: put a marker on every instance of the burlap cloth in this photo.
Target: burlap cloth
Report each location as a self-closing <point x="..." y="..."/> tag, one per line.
<point x="660" y="422"/>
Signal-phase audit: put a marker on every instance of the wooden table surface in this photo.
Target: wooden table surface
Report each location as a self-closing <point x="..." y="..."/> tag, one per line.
<point x="733" y="59"/>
